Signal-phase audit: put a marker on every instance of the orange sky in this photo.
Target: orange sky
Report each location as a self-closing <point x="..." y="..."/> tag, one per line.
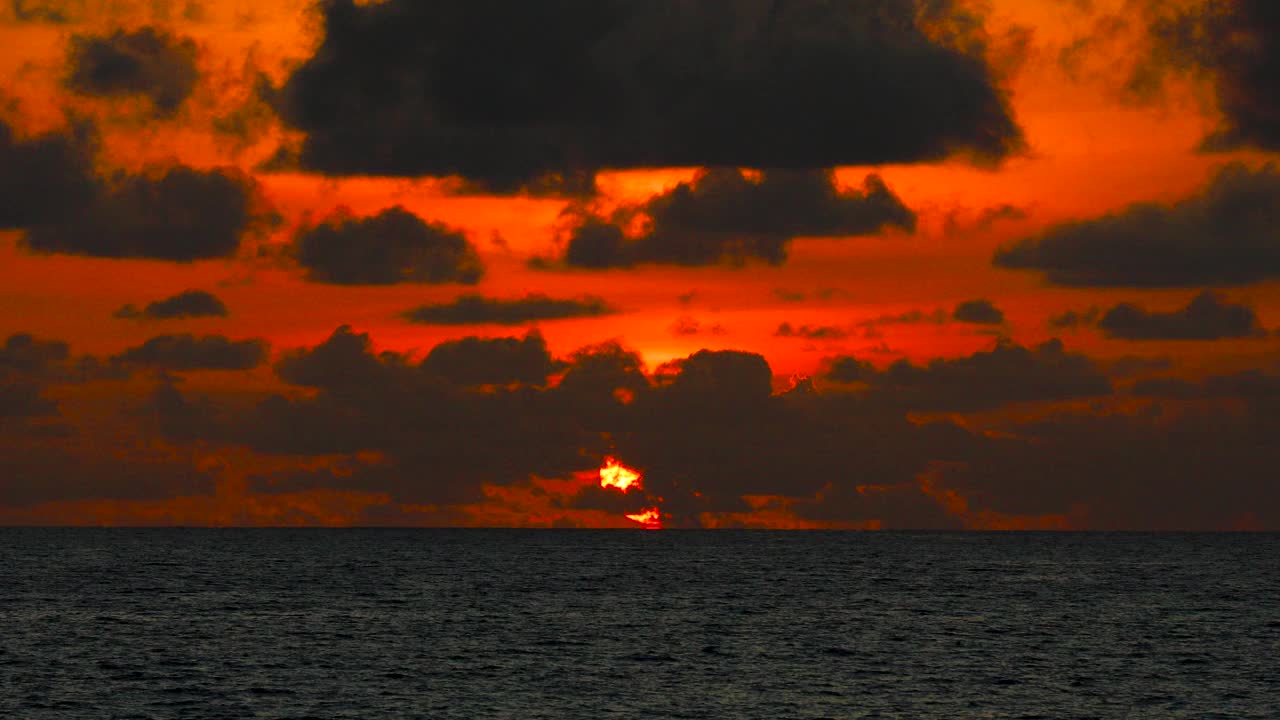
<point x="1091" y="150"/>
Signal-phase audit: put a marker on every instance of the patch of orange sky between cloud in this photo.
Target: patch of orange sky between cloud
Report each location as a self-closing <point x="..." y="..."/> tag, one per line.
<point x="614" y="474"/>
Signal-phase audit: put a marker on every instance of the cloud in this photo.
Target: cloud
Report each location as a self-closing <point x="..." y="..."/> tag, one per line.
<point x="187" y="352"/>
<point x="394" y="246"/>
<point x="534" y="307"/>
<point x="48" y="11"/>
<point x="1072" y="319"/>
<point x="720" y="448"/>
<point x="985" y="380"/>
<point x="725" y="216"/>
<point x="794" y="296"/>
<point x="811" y="332"/>
<point x="45" y="178"/>
<point x="1207" y="317"/>
<point x="632" y="84"/>
<point x="910" y="317"/>
<point x="1227" y="234"/>
<point x="25" y="353"/>
<point x="178" y="214"/>
<point x="148" y="62"/>
<point x="978" y="312"/>
<point x="491" y="361"/>
<point x="186" y="304"/>
<point x="1236" y="45"/>
<point x="689" y="326"/>
<point x="50" y="189"/>
<point x="23" y="399"/>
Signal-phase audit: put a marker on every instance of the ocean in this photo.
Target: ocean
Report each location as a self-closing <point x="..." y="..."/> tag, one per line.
<point x="187" y="623"/>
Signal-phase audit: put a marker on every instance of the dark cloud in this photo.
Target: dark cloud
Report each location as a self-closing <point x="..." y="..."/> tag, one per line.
<point x="787" y="295"/>
<point x="1008" y="373"/>
<point x="27" y="354"/>
<point x="41" y="472"/>
<point x="910" y="317"/>
<point x="534" y="307"/>
<point x="407" y="88"/>
<point x="1207" y="317"/>
<point x="711" y="438"/>
<point x="48" y="11"/>
<point x="178" y="214"/>
<point x="1227" y="234"/>
<point x="964" y="219"/>
<point x="343" y="362"/>
<point x="23" y="399"/>
<point x="1072" y="319"/>
<point x="49" y="187"/>
<point x="977" y="312"/>
<point x="1249" y="385"/>
<point x="811" y="332"/>
<point x="491" y="361"/>
<point x="188" y="352"/>
<point x="394" y="246"/>
<point x="725" y="216"/>
<point x="186" y="304"/>
<point x="45" y="178"/>
<point x="689" y="326"/>
<point x="147" y="62"/>
<point x="1236" y="44"/>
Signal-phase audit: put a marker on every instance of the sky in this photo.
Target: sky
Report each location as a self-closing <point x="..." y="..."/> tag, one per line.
<point x="803" y="264"/>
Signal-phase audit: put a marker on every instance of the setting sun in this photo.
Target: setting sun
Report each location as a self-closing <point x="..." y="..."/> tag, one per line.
<point x="616" y="475"/>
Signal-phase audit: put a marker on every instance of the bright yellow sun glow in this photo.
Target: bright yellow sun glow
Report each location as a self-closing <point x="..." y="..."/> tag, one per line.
<point x="616" y="475"/>
<point x="651" y="518"/>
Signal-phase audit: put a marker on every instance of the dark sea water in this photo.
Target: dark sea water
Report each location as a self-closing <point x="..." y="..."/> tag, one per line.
<point x="585" y="624"/>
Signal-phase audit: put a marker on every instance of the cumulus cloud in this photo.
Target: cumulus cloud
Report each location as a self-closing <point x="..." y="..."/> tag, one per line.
<point x="1226" y="234"/>
<point x="491" y="361"/>
<point x="689" y="326"/>
<point x="1008" y="373"/>
<point x="394" y="246"/>
<point x="188" y="352"/>
<point x="186" y="304"/>
<point x="811" y="332"/>
<point x="534" y="307"/>
<point x="45" y="178"/>
<point x="723" y="215"/>
<point x="50" y="189"/>
<point x="978" y="312"/>
<point x="23" y="399"/>
<point x="1072" y="319"/>
<point x="629" y="84"/>
<point x="720" y="448"/>
<point x="178" y="214"/>
<point x="1207" y="317"/>
<point x="1235" y="44"/>
<point x="147" y="62"/>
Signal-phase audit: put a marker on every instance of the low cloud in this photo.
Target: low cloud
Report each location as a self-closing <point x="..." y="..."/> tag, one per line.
<point x="188" y="352"/>
<point x="689" y="326"/>
<point x="1207" y="317"/>
<point x="723" y="216"/>
<point x="618" y="85"/>
<point x="186" y="304"/>
<point x="1008" y="373"/>
<point x="491" y="361"/>
<point x="978" y="312"/>
<point x="811" y="332"/>
<point x="44" y="178"/>
<point x="147" y="62"/>
<point x="1226" y="234"/>
<point x="480" y="310"/>
<point x="1235" y="46"/>
<point x="177" y="214"/>
<point x="394" y="246"/>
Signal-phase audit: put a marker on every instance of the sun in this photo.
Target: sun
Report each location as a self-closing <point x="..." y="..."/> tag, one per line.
<point x="616" y="475"/>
